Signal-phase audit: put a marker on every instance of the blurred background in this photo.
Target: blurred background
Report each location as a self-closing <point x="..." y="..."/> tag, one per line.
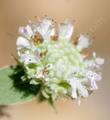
<point x="89" y="16"/>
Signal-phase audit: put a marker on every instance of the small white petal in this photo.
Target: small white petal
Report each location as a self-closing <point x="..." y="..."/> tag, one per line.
<point x="66" y="30"/>
<point x="53" y="32"/>
<point x="94" y="85"/>
<point x="77" y="86"/>
<point x="29" y="31"/>
<point x="74" y="87"/>
<point x="98" y="77"/>
<point x="22" y="43"/>
<point x="99" y="61"/>
<point x="94" y="54"/>
<point x="83" y="42"/>
<point x="27" y="58"/>
<point x="81" y="89"/>
<point x="26" y="31"/>
<point x="93" y="76"/>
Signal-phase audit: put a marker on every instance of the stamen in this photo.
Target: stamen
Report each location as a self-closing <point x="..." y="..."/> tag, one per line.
<point x="37" y="38"/>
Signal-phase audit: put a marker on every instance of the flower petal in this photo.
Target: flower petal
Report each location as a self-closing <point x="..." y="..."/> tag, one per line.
<point x="93" y="76"/>
<point x="81" y="89"/>
<point x="44" y="27"/>
<point x="22" y="43"/>
<point x="66" y="30"/>
<point x="27" y="59"/>
<point x="74" y="87"/>
<point x="26" y="31"/>
<point x="94" y="85"/>
<point x="83" y="42"/>
<point x="99" y="61"/>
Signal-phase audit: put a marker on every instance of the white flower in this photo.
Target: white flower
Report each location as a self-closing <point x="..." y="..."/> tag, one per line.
<point x="74" y="88"/>
<point x="26" y="31"/>
<point x="44" y="27"/>
<point x="27" y="59"/>
<point x="93" y="85"/>
<point x="93" y="77"/>
<point x="78" y="87"/>
<point x="66" y="30"/>
<point x="22" y="43"/>
<point x="83" y="42"/>
<point x="98" y="60"/>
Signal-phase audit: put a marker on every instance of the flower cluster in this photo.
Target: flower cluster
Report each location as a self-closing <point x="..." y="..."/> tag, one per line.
<point x="50" y="58"/>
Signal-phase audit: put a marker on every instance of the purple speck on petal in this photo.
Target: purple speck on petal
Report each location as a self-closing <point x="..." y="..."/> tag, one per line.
<point x="25" y="30"/>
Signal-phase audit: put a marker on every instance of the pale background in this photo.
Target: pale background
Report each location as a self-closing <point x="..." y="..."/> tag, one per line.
<point x="89" y="16"/>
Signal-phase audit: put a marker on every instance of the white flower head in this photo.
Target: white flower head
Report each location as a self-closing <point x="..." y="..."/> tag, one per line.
<point x="66" y="30"/>
<point x="51" y="60"/>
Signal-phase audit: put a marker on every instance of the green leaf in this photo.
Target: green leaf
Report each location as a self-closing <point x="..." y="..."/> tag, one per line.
<point x="8" y="92"/>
